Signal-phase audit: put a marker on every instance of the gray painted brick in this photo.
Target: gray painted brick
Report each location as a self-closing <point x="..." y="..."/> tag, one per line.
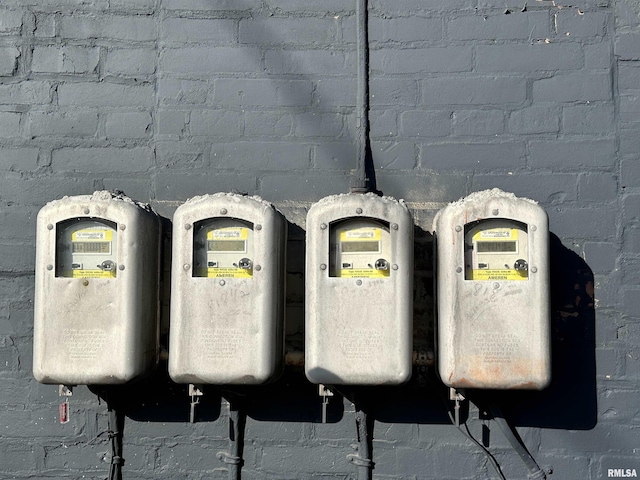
<point x="180" y="155"/>
<point x="629" y="141"/>
<point x="262" y="92"/>
<point x="393" y="92"/>
<point x="572" y="154"/>
<point x="473" y="156"/>
<point x="581" y="87"/>
<point x="180" y="92"/>
<point x="129" y="125"/>
<point x="546" y="188"/>
<point x="600" y="256"/>
<point x="8" y="60"/>
<point x="312" y="124"/>
<point x="528" y="58"/>
<point x="287" y="459"/>
<point x="307" y="187"/>
<point x="65" y="59"/>
<point x="310" y="62"/>
<point x="102" y="160"/>
<point x="145" y="5"/>
<point x="394" y="155"/>
<point x="474" y="90"/>
<point x="27" y="92"/>
<point x="130" y="61"/>
<point x="260" y="156"/>
<point x="198" y="30"/>
<point x="138" y="188"/>
<point x="421" y="60"/>
<point x="16" y="458"/>
<point x="571" y="222"/>
<point x="630" y="172"/>
<point x="629" y="109"/>
<point x="518" y="26"/>
<point x="206" y="5"/>
<point x="182" y="186"/>
<point x="629" y="76"/>
<point x="210" y="60"/>
<point x="135" y="28"/>
<point x="627" y="46"/>
<point x="71" y="124"/>
<point x="105" y="95"/>
<point x="10" y="124"/>
<point x="411" y="29"/>
<point x="19" y="159"/>
<point x="401" y="7"/>
<point x="571" y="22"/>
<point x="45" y="26"/>
<point x="215" y="123"/>
<point x="334" y="155"/>
<point x="330" y="92"/>
<point x="312" y="30"/>
<point x="327" y="6"/>
<point x="631" y="207"/>
<point x="534" y="120"/>
<point x="478" y="122"/>
<point x="171" y="122"/>
<point x="425" y="123"/>
<point x="10" y="21"/>
<point x="584" y="119"/>
<point x="598" y="55"/>
<point x="260" y="124"/>
<point x="598" y="187"/>
<point x="382" y="123"/>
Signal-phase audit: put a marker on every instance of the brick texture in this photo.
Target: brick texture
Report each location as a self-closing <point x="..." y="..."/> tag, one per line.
<point x="169" y="99"/>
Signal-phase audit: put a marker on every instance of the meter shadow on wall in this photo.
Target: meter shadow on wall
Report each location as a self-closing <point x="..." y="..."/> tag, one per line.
<point x="569" y="402"/>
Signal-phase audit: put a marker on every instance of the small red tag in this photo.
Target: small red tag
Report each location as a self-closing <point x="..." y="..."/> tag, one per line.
<point x="64" y="412"/>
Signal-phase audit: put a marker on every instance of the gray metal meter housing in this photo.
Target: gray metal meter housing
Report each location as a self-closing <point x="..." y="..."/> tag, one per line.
<point x="96" y="291"/>
<point x="227" y="291"/>
<point x="359" y="291"/>
<point x="493" y="292"/>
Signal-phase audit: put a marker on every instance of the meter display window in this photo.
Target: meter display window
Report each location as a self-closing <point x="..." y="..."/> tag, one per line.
<point x="223" y="248"/>
<point x="86" y="248"/>
<point x="359" y="248"/>
<point x="496" y="249"/>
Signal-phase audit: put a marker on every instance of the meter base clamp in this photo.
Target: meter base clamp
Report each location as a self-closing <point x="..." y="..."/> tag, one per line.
<point x="96" y="291"/>
<point x="493" y="321"/>
<point x="359" y="276"/>
<point x="227" y="291"/>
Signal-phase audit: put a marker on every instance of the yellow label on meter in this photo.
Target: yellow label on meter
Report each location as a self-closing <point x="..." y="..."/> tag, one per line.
<point x="89" y="274"/>
<point x="92" y="235"/>
<point x="225" y="272"/>
<point x="496" y="274"/>
<point x="363" y="273"/>
<point x="359" y="249"/>
<point x="225" y="249"/>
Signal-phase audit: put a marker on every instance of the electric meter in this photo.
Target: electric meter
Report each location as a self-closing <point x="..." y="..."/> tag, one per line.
<point x="493" y="292"/>
<point x="359" y="277"/>
<point x="96" y="294"/>
<point x="227" y="293"/>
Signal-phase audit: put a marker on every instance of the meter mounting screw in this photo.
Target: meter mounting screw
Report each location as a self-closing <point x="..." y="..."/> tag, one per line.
<point x="258" y="268"/>
<point x="49" y="227"/>
<point x="459" y="270"/>
<point x="495" y="211"/>
<point x="120" y="267"/>
<point x="458" y="228"/>
<point x="394" y="226"/>
<point x="258" y="227"/>
<point x="358" y="282"/>
<point x="187" y="226"/>
<point x="358" y="211"/>
<point x="123" y="226"/>
<point x="186" y="266"/>
<point x="534" y="269"/>
<point x="323" y="226"/>
<point x="222" y="283"/>
<point x="49" y="267"/>
<point x="86" y="211"/>
<point x="223" y="211"/>
<point x="533" y="228"/>
<point x="394" y="266"/>
<point x="323" y="266"/>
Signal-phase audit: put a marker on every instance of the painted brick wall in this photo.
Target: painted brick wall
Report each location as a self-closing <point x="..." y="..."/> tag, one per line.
<point x="167" y="99"/>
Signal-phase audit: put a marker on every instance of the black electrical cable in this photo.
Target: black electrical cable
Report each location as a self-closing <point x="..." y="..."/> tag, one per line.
<point x="237" y="421"/>
<point x="467" y="433"/>
<point x="115" y="432"/>
<point x="359" y="183"/>
<point x="510" y="433"/>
